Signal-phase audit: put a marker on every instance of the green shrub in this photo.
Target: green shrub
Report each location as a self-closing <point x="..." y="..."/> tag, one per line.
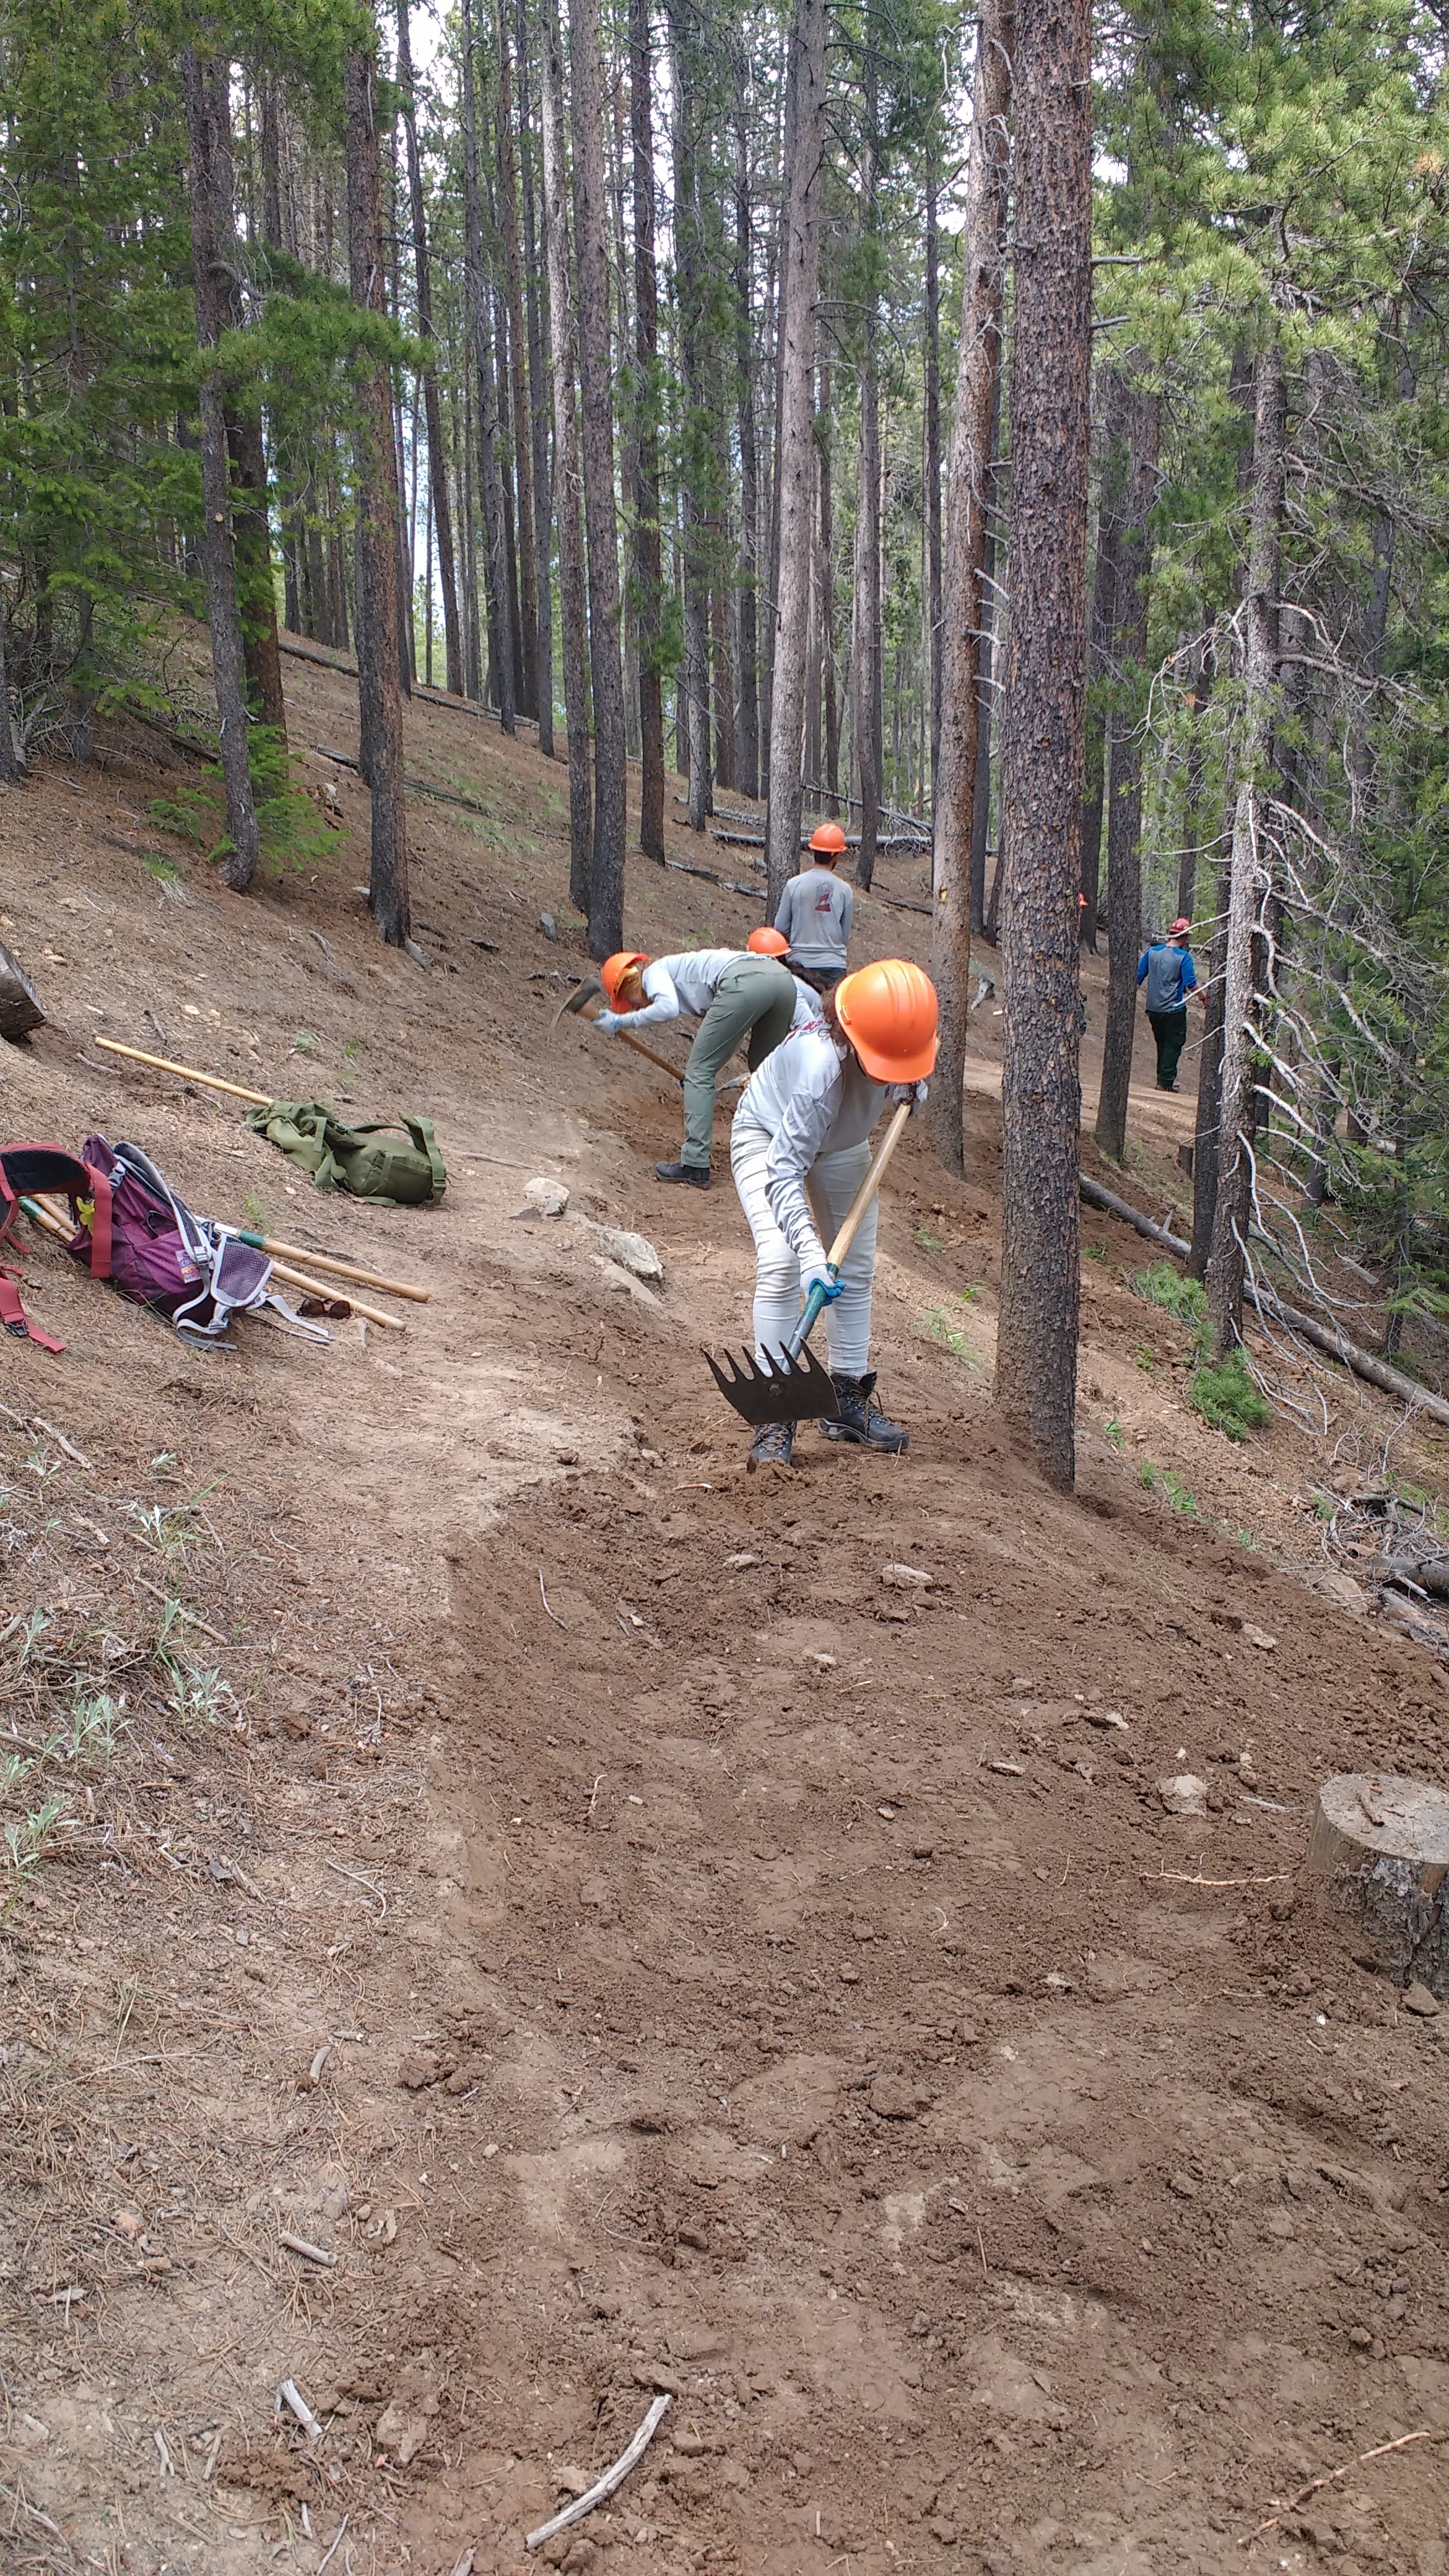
<point x="1166" y="1480"/>
<point x="1183" y="1298"/>
<point x="1226" y="1397"/>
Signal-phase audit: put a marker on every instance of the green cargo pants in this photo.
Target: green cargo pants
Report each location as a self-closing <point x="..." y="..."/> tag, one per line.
<point x="755" y="998"/>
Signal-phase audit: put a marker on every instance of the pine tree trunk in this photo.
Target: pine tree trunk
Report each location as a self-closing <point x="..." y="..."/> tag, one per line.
<point x="1111" y="504"/>
<point x="1209" y="1091"/>
<point x="207" y="145"/>
<point x="250" y="493"/>
<point x="825" y="578"/>
<point x="1124" y="776"/>
<point x="9" y="758"/>
<point x="606" y="877"/>
<point x="722" y="676"/>
<point x="799" y="293"/>
<point x="432" y="408"/>
<point x="1248" y="872"/>
<point x="573" y="616"/>
<point x="380" y="755"/>
<point x="503" y="414"/>
<point x="1036" y="1366"/>
<point x="538" y="398"/>
<point x="648" y="569"/>
<point x="694" y="474"/>
<point x="522" y="441"/>
<point x="964" y="597"/>
<point x="747" y="739"/>
<point x="865" y="634"/>
<point x="1192" y="833"/>
<point x="931" y="453"/>
<point x="501" y="654"/>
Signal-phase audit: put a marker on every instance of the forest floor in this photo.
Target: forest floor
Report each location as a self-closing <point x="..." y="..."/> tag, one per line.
<point x="644" y="1940"/>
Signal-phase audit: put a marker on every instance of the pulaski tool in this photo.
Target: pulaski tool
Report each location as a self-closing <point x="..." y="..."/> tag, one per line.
<point x="791" y="1385"/>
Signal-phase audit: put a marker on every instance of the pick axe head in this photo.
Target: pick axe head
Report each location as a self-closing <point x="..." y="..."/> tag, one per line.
<point x="777" y="1389"/>
<point x="588" y="991"/>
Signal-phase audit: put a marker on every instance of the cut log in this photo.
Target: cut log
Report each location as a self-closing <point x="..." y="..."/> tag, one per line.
<point x="21" y="1008"/>
<point x="1378" y="1861"/>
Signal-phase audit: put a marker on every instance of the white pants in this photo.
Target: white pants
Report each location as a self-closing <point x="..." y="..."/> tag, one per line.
<point x="833" y="1182"/>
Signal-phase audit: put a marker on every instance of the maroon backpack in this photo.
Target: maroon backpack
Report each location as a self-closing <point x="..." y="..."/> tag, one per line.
<point x="29" y="1168"/>
<point x="141" y="1237"/>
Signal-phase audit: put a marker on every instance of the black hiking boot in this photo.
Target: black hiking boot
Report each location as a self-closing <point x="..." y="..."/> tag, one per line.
<point x="697" y="1174"/>
<point x="772" y="1446"/>
<point x="861" y="1419"/>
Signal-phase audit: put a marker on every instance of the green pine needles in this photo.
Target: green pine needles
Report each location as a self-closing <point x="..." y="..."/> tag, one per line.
<point x="1221" y="1391"/>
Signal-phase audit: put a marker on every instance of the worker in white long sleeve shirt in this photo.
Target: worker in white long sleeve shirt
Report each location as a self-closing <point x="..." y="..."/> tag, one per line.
<point x="799" y="1153"/>
<point x="738" y="999"/>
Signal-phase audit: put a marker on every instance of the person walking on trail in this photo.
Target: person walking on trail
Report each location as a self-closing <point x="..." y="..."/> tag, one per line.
<point x="799" y="1153"/>
<point x="1167" y="970"/>
<point x="816" y="912"/>
<point x="738" y="999"/>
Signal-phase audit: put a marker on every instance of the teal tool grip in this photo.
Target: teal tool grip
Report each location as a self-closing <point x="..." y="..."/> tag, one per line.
<point x="815" y="1305"/>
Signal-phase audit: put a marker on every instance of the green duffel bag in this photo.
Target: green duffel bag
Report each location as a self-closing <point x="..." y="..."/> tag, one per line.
<point x="366" y="1161"/>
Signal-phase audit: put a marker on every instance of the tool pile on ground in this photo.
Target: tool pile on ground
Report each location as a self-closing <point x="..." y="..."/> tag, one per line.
<point x="512" y="1920"/>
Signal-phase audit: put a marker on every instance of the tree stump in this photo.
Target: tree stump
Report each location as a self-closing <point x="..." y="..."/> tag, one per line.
<point x="21" y="1008"/>
<point x="1380" y="1851"/>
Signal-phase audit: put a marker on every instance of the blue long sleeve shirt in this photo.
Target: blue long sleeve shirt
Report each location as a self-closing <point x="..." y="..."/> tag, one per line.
<point x="1169" y="975"/>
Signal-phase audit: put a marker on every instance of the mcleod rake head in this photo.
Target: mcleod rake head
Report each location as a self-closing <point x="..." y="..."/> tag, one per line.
<point x="776" y="1390"/>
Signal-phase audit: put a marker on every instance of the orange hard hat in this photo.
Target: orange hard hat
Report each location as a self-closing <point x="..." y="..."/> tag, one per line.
<point x="829" y="837"/>
<point x="615" y="968"/>
<point x="888" y="1012"/>
<point x="767" y="943"/>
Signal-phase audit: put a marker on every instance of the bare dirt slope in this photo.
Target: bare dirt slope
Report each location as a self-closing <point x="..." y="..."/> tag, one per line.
<point x="639" y="1934"/>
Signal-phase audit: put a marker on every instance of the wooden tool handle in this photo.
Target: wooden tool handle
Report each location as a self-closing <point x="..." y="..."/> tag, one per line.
<point x="638" y="1045"/>
<point x="188" y="1072"/>
<point x="854" y="1214"/>
<point x="640" y="1048"/>
<point x="341" y="1269"/>
<point x="819" y="1297"/>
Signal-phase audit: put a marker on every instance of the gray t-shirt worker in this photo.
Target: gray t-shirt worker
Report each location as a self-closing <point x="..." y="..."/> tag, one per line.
<point x="816" y="912"/>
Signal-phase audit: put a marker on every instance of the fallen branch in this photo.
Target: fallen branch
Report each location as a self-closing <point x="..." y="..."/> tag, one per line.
<point x="424" y="787"/>
<point x="312" y="2253"/>
<point x="325" y="2562"/>
<point x="1324" y="1337"/>
<point x="553" y="1614"/>
<point x="290" y="2397"/>
<point x="1181" y="1878"/>
<point x="180" y="1608"/>
<point x="603" y="2487"/>
<point x="430" y="697"/>
<point x="1315" y="2485"/>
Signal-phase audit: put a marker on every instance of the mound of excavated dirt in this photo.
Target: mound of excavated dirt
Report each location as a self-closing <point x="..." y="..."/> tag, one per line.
<point x="639" y="1926"/>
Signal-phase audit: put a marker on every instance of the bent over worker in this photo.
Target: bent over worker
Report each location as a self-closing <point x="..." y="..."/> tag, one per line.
<point x="799" y="1153"/>
<point x="737" y="998"/>
<point x="816" y="912"/>
<point x="1167" y="970"/>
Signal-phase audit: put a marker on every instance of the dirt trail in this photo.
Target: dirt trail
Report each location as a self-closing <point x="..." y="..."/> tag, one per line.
<point x="642" y="1930"/>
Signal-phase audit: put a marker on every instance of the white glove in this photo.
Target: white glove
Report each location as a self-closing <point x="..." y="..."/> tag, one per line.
<point x="609" y="1021"/>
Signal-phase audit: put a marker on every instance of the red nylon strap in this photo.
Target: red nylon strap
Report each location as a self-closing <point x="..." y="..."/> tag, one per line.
<point x="14" y="1317"/>
<point x="100" y="1225"/>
